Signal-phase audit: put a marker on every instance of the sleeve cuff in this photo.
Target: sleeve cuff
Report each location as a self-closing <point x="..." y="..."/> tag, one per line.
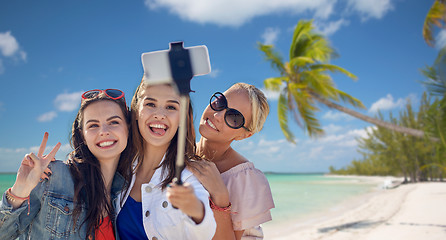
<point x="6" y="207"/>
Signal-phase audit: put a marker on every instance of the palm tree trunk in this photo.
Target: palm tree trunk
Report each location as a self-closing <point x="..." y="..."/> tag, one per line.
<point x="374" y="121"/>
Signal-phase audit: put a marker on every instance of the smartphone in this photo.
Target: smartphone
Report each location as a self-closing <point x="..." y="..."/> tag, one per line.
<point x="157" y="65"/>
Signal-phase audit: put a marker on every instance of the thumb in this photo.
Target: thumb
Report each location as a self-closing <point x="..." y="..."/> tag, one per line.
<point x="38" y="163"/>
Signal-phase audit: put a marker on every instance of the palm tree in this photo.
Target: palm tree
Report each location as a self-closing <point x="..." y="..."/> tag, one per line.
<point x="436" y="74"/>
<point x="436" y="16"/>
<point x="304" y="82"/>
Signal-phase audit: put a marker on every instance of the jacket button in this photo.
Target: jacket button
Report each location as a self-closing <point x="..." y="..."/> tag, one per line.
<point x="147" y="213"/>
<point x="154" y="238"/>
<point x="165" y="204"/>
<point x="148" y="189"/>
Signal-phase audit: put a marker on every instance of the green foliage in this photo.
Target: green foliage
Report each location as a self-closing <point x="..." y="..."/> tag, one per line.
<point x="436" y="75"/>
<point x="283" y="118"/>
<point x="435" y="17"/>
<point x="387" y="152"/>
<point x="304" y="79"/>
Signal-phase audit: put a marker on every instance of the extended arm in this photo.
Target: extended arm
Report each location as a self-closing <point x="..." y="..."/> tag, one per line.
<point x="15" y="213"/>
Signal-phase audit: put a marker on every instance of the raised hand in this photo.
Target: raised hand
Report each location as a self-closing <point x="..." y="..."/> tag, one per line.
<point x="32" y="168"/>
<point x="207" y="173"/>
<point x="184" y="198"/>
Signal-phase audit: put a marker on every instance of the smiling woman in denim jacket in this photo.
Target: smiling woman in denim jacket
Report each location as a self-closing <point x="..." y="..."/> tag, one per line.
<point x="76" y="202"/>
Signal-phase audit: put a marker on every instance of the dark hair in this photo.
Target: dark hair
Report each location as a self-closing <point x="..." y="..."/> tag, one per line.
<point x="168" y="165"/>
<point x="89" y="187"/>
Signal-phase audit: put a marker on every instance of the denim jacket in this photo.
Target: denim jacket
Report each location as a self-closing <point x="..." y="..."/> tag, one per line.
<point x="51" y="208"/>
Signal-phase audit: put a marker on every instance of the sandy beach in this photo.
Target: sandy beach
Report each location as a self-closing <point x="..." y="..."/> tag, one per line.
<point x="409" y="212"/>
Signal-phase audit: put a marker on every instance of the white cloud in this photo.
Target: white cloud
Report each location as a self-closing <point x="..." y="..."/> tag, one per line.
<point x="337" y="116"/>
<point x="68" y="102"/>
<point x="370" y="9"/>
<point x="8" y="44"/>
<point x="270" y="35"/>
<point x="236" y="13"/>
<point x="215" y="73"/>
<point x="386" y="103"/>
<point x="331" y="128"/>
<point x="440" y="40"/>
<point x="336" y="148"/>
<point x="64" y="149"/>
<point x="46" y="117"/>
<point x="12" y="157"/>
<point x="329" y="28"/>
<point x="271" y="95"/>
<point x="10" y="48"/>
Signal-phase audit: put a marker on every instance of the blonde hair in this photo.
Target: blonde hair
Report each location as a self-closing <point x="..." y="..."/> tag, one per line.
<point x="259" y="106"/>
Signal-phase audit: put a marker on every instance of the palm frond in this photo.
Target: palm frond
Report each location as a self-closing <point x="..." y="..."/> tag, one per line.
<point x="274" y="84"/>
<point x="320" y="49"/>
<point x="334" y="69"/>
<point x="317" y="81"/>
<point x="440" y="65"/>
<point x="273" y="57"/>
<point x="282" y="112"/>
<point x="350" y="99"/>
<point x="436" y="16"/>
<point x="301" y="61"/>
<point x="306" y="111"/>
<point x="300" y="43"/>
<point x="435" y="84"/>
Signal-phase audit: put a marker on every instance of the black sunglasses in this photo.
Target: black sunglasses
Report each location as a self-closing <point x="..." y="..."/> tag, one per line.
<point x="233" y="118"/>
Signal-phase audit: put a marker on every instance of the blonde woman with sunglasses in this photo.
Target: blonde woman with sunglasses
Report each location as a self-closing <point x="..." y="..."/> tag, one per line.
<point x="76" y="201"/>
<point x="240" y="195"/>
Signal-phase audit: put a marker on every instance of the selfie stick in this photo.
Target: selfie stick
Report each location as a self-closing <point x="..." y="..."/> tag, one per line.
<point x="184" y="64"/>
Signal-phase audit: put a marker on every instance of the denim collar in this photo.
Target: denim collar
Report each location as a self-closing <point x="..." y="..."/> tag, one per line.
<point x="117" y="185"/>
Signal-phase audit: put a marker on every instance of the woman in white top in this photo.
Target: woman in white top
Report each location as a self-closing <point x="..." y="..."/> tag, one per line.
<point x="236" y="187"/>
<point x="155" y="207"/>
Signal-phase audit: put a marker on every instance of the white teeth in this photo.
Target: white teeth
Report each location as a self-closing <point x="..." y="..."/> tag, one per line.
<point x="106" y="144"/>
<point x="158" y="126"/>
<point x="211" y="124"/>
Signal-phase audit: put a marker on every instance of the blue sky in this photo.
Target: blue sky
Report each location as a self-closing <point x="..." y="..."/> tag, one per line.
<point x="52" y="51"/>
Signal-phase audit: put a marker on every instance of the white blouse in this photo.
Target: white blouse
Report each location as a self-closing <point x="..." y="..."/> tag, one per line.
<point x="162" y="221"/>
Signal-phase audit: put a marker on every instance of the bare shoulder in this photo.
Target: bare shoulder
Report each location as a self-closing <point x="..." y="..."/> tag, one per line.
<point x="239" y="158"/>
<point x="232" y="159"/>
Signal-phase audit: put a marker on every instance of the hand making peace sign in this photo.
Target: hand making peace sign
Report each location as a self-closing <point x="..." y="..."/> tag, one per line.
<point x="32" y="168"/>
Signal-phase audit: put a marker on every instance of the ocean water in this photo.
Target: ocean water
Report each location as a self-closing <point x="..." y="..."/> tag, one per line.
<point x="295" y="195"/>
<point x="6" y="181"/>
<point x="300" y="195"/>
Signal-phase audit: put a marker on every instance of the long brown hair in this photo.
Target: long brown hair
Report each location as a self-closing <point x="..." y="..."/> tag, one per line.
<point x="168" y="165"/>
<point x="89" y="187"/>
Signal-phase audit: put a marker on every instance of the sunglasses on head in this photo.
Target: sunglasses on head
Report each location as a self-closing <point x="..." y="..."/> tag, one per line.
<point x="233" y="118"/>
<point x="114" y="94"/>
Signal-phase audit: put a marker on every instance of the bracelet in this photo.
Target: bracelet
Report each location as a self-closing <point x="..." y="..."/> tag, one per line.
<point x="11" y="197"/>
<point x="217" y="208"/>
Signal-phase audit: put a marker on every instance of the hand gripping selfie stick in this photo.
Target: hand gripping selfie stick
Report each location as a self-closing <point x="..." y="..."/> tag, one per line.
<point x="177" y="65"/>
